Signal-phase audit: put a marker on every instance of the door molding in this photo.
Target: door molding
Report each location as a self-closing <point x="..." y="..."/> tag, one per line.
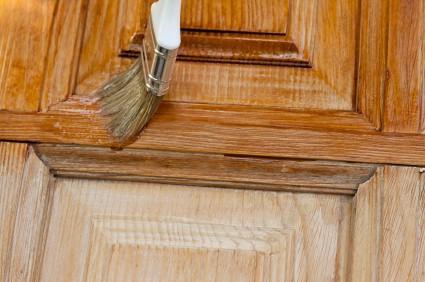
<point x="200" y="169"/>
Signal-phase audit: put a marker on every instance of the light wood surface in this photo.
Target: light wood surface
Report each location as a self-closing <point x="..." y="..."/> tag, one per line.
<point x="31" y="219"/>
<point x="100" y="230"/>
<point x="388" y="230"/>
<point x="23" y="202"/>
<point x="12" y="160"/>
<point x="112" y="230"/>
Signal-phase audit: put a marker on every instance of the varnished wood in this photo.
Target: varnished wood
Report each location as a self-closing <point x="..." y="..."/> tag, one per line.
<point x="224" y="47"/>
<point x="404" y="102"/>
<point x="24" y="41"/>
<point x="329" y="84"/>
<point x="179" y="132"/>
<point x="245" y="32"/>
<point x="345" y="121"/>
<point x="204" y="169"/>
<point x="104" y="36"/>
<point x="372" y="60"/>
<point x="269" y="16"/>
<point x="63" y="52"/>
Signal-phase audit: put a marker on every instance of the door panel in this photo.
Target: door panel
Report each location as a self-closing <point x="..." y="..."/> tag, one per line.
<point x="12" y="162"/>
<point x="320" y="70"/>
<point x="120" y="230"/>
<point x="388" y="226"/>
<point x="341" y="83"/>
<point x="301" y="109"/>
<point x="109" y="231"/>
<point x="24" y="210"/>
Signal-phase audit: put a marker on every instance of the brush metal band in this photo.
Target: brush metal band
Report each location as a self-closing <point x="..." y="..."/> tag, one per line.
<point x="158" y="63"/>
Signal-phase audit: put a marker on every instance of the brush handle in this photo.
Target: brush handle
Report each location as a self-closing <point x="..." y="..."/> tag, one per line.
<point x="160" y="45"/>
<point x="165" y="16"/>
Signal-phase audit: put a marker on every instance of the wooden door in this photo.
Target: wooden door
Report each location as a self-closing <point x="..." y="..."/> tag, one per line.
<point x="290" y="147"/>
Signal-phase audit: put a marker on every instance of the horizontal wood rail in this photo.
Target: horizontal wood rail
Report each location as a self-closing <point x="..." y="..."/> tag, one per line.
<point x="204" y="169"/>
<point x="231" y="130"/>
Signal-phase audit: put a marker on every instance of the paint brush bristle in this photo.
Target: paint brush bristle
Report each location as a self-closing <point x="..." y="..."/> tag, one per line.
<point x="127" y="103"/>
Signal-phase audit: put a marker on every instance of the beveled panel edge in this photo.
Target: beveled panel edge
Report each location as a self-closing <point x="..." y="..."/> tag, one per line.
<point x="201" y="169"/>
<point x="235" y="47"/>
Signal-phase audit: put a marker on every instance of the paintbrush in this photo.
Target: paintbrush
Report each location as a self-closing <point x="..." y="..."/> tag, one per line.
<point x="131" y="98"/>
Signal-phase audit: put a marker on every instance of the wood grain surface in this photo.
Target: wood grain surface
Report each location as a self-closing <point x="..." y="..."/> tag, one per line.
<point x="301" y="115"/>
<point x="63" y="53"/>
<point x="389" y="233"/>
<point x="229" y="47"/>
<point x="372" y="60"/>
<point x="12" y="163"/>
<point x="31" y="219"/>
<point x="145" y="230"/>
<point x="329" y="84"/>
<point x="404" y="103"/>
<point x="204" y="169"/>
<point x="24" y="40"/>
<point x="366" y="228"/>
<point x="259" y="16"/>
<point x="23" y="200"/>
<point x="180" y="133"/>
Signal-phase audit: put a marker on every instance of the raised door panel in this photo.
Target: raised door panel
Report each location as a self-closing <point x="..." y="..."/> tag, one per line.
<point x="70" y="229"/>
<point x="334" y="80"/>
<point x="316" y="61"/>
<point x="111" y="231"/>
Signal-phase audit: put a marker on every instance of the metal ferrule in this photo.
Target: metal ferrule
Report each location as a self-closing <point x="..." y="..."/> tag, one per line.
<point x="158" y="63"/>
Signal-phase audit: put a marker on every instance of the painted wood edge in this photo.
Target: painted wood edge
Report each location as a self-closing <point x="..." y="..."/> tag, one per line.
<point x="212" y="170"/>
<point x="205" y="135"/>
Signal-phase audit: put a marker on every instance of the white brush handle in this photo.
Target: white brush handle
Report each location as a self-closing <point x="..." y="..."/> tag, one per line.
<point x="165" y="16"/>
